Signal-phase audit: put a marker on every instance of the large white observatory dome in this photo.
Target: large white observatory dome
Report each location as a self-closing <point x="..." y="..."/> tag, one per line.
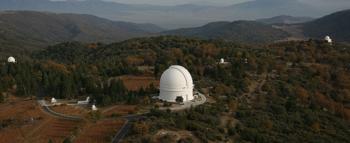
<point x="11" y="60"/>
<point x="175" y="82"/>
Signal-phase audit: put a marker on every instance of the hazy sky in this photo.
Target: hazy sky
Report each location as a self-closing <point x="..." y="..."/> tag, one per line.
<point x="335" y="4"/>
<point x="323" y="3"/>
<point x="178" y="2"/>
<point x="228" y="2"/>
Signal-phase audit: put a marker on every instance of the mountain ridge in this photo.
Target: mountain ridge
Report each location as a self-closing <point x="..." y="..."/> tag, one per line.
<point x="335" y="25"/>
<point x="31" y="29"/>
<point x="285" y="19"/>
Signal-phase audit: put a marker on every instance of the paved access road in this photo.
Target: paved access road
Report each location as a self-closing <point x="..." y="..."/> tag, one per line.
<point x="126" y="127"/>
<point x="129" y="118"/>
<point x="47" y="109"/>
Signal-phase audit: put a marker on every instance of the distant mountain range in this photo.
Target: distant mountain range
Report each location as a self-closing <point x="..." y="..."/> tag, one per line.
<point x="171" y="17"/>
<point x="28" y="30"/>
<point x="239" y="31"/>
<point x="36" y="29"/>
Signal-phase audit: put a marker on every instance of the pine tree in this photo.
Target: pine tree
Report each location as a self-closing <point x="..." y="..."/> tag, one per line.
<point x="2" y="98"/>
<point x="67" y="140"/>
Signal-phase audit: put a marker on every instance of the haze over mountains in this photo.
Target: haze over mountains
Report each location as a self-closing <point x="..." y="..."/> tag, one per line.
<point x="35" y="30"/>
<point x="187" y="15"/>
<point x="285" y="19"/>
<point x="273" y="29"/>
<point x="238" y="31"/>
<point x="28" y="30"/>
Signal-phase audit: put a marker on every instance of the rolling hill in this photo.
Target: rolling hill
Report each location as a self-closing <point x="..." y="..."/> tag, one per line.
<point x="285" y="19"/>
<point x="28" y="29"/>
<point x="238" y="31"/>
<point x="337" y="25"/>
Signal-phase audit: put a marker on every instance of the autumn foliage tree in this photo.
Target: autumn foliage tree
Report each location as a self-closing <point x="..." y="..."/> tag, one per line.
<point x="141" y="128"/>
<point x="302" y="95"/>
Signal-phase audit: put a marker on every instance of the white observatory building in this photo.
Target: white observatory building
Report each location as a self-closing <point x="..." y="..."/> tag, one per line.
<point x="222" y="61"/>
<point x="11" y="60"/>
<point x="176" y="82"/>
<point x="53" y="100"/>
<point x="94" y="108"/>
<point x="328" y="39"/>
<point x="84" y="102"/>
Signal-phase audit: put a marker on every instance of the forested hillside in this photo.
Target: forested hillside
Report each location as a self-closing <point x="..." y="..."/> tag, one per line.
<point x="283" y="92"/>
<point x="28" y="30"/>
<point x="335" y="25"/>
<point x="285" y="19"/>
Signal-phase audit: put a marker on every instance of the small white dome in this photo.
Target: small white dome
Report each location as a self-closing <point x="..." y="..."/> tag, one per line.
<point x="246" y="60"/>
<point x="222" y="60"/>
<point x="53" y="100"/>
<point x="11" y="60"/>
<point x="94" y="108"/>
<point x="176" y="81"/>
<point x="328" y="39"/>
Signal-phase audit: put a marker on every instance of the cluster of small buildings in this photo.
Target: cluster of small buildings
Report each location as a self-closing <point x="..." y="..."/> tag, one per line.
<point x="84" y="102"/>
<point x="223" y="62"/>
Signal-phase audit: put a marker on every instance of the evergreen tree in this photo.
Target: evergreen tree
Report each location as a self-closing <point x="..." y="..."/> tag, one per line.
<point x="67" y="140"/>
<point x="2" y="98"/>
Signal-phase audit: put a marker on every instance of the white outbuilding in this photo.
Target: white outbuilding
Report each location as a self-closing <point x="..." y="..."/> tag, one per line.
<point x="53" y="100"/>
<point x="84" y="102"/>
<point x="246" y="60"/>
<point x="328" y="39"/>
<point x="11" y="60"/>
<point x="222" y="61"/>
<point x="176" y="82"/>
<point x="94" y="108"/>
